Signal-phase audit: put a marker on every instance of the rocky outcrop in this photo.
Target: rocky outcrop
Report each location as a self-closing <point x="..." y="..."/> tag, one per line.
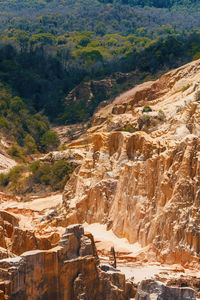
<point x="70" y="271"/>
<point x="186" y="281"/>
<point x="170" y="94"/>
<point x="144" y="185"/>
<point x="93" y="89"/>
<point x="149" y="289"/>
<point x="99" y="90"/>
<point x="140" y="190"/>
<point x="15" y="240"/>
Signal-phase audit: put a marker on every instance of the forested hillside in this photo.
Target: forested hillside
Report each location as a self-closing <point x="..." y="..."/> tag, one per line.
<point x="49" y="47"/>
<point x="155" y="3"/>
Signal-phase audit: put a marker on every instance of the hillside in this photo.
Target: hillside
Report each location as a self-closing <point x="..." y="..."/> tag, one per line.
<point x="140" y="168"/>
<point x="99" y="149"/>
<point x="136" y="176"/>
<point x="47" y="48"/>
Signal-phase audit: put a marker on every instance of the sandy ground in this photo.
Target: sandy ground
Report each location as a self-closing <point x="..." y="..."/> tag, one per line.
<point x="104" y="240"/>
<point x="38" y="204"/>
<point x="109" y="239"/>
<point x="30" y="213"/>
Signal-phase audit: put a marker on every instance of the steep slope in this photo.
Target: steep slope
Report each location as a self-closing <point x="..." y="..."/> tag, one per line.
<point x="144" y="185"/>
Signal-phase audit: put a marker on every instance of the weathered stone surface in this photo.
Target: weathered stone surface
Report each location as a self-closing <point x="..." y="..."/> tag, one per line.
<point x="88" y="90"/>
<point x="144" y="185"/>
<point x="137" y="187"/>
<point x="149" y="289"/>
<point x="69" y="271"/>
<point x="9" y="217"/>
<point x="14" y="240"/>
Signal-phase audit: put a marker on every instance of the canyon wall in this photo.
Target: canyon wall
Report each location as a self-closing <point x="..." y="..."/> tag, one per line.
<point x="144" y="184"/>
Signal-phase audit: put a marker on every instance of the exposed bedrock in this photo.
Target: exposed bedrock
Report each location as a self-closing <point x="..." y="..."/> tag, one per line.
<point x="138" y="171"/>
<point x="155" y="290"/>
<point x="142" y="189"/>
<point x="70" y="271"/>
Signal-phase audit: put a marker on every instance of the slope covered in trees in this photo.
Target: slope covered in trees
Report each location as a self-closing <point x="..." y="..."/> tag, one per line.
<point x="154" y="3"/>
<point x="49" y="47"/>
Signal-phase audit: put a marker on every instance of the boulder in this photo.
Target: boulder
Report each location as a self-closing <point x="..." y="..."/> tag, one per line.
<point x="155" y="290"/>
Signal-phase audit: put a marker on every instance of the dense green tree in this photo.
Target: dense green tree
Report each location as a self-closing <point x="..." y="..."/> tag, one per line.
<point x="49" y="141"/>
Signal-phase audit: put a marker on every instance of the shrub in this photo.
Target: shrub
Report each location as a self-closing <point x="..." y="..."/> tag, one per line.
<point x="60" y="174"/>
<point x="15" y="172"/>
<point x="144" y="121"/>
<point x="62" y="147"/>
<point x="197" y="96"/>
<point x="34" y="166"/>
<point x="4" y="179"/>
<point x="146" y="108"/>
<point x="16" y="104"/>
<point x="4" y="123"/>
<point x="55" y="175"/>
<point x="50" y="141"/>
<point x="161" y="115"/>
<point x="185" y="88"/>
<point x="30" y="144"/>
<point x="42" y="174"/>
<point x="129" y="128"/>
<point x="16" y="151"/>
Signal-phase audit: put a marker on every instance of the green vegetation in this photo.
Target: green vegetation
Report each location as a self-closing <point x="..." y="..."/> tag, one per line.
<point x="146" y="108"/>
<point x="185" y="88"/>
<point x="50" y="141"/>
<point x="49" y="47"/>
<point x="197" y="96"/>
<point x="161" y="115"/>
<point x="28" y="131"/>
<point x="154" y="3"/>
<point x="37" y="177"/>
<point x="129" y="128"/>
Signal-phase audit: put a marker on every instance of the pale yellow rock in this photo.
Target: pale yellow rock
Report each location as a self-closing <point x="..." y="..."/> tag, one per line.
<point x="144" y="185"/>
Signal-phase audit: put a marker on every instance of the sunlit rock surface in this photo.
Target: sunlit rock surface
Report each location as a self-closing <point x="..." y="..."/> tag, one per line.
<point x="144" y="185"/>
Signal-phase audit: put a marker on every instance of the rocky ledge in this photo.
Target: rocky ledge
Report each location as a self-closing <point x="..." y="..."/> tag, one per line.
<point x="69" y="271"/>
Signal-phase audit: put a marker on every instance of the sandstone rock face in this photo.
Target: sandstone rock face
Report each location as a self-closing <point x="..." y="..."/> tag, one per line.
<point x="149" y="289"/>
<point x="69" y="271"/>
<point x="144" y="185"/>
<point x="15" y="240"/>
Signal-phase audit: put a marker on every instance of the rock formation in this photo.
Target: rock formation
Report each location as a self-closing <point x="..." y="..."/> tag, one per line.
<point x="149" y="289"/>
<point x="15" y="240"/>
<point x="70" y="271"/>
<point x="144" y="185"/>
<point x="138" y="172"/>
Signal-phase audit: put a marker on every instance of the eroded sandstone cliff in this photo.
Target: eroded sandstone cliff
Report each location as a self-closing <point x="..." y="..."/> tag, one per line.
<point x="145" y="184"/>
<point x="70" y="271"/>
<point x="138" y="172"/>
